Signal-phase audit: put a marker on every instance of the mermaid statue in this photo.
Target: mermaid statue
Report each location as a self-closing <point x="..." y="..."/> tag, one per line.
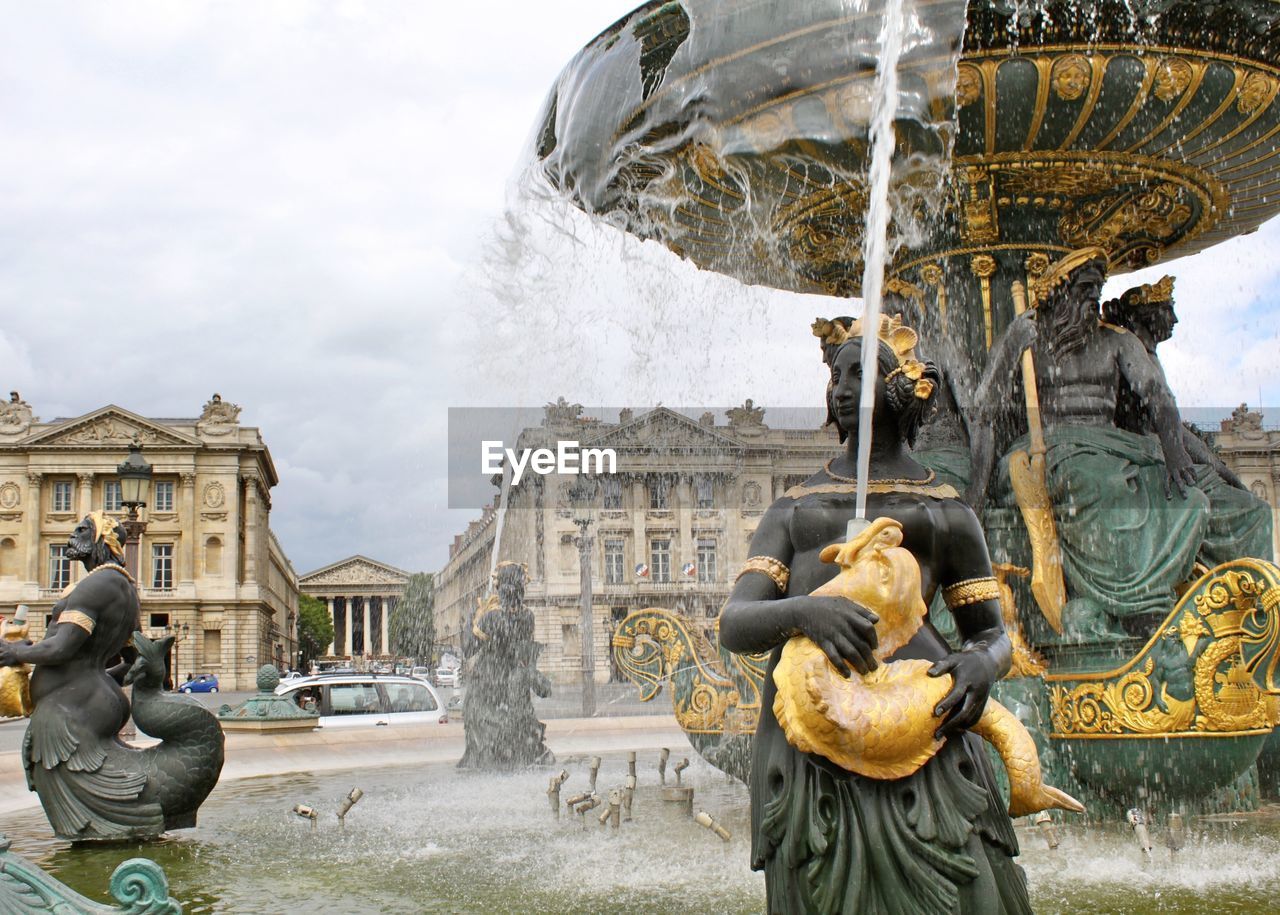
<point x="868" y="791"/>
<point x="92" y="785"/>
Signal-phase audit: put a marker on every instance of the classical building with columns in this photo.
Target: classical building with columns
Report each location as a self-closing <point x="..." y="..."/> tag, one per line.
<point x="1252" y="450"/>
<point x="211" y="572"/>
<point x="670" y="528"/>
<point x="360" y="593"/>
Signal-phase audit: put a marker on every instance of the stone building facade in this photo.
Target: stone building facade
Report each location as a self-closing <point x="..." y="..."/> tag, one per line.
<point x="1252" y="451"/>
<point x="670" y="528"/>
<point x="360" y="593"/>
<point x="211" y="572"/>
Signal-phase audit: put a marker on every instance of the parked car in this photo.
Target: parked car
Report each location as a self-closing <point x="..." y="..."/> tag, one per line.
<point x="359" y="700"/>
<point x="291" y="675"/>
<point x="448" y="676"/>
<point x="204" y="683"/>
<point x="422" y="673"/>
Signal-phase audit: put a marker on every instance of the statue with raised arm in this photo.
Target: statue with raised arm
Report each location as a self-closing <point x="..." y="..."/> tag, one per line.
<point x="500" y="726"/>
<point x="868" y="793"/>
<point x="1239" y="524"/>
<point x="92" y="785"/>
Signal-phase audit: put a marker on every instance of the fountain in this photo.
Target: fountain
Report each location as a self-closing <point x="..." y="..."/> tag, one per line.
<point x="738" y="135"/>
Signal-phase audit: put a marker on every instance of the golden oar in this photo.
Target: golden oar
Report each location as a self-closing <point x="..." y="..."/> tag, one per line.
<point x="1029" y="478"/>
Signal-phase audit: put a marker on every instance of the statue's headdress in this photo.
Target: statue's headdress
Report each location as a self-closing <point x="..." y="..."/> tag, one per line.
<point x="835" y="332"/>
<point x="1119" y="311"/>
<point x="1060" y="270"/>
<point x="104" y="530"/>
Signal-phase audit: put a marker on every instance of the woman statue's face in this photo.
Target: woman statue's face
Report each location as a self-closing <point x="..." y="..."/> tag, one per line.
<point x="846" y="391"/>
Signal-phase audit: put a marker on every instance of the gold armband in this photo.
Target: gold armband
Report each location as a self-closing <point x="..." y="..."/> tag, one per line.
<point x="970" y="591"/>
<point x="767" y="565"/>
<point x="76" y="618"/>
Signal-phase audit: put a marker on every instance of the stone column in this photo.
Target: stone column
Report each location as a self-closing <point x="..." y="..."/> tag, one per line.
<point x="32" y="519"/>
<point x="186" y="571"/>
<point x="347" y="650"/>
<point x="639" y="509"/>
<point x="386" y="625"/>
<point x="333" y="618"/>
<point x="251" y="528"/>
<point x="85" y="494"/>
<point x="684" y="514"/>
<point x="368" y="631"/>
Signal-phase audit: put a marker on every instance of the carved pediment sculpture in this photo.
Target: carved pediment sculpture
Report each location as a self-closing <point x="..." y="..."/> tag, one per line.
<point x="357" y="572"/>
<point x="15" y="416"/>
<point x="109" y="430"/>
<point x="219" y="417"/>
<point x="1243" y="420"/>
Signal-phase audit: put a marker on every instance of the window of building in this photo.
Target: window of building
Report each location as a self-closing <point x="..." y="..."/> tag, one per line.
<point x="706" y="560"/>
<point x="159" y="620"/>
<point x="162" y="496"/>
<point x="659" y="493"/>
<point x="162" y="566"/>
<point x="660" y="560"/>
<point x="62" y="496"/>
<point x="570" y="643"/>
<point x="612" y="489"/>
<point x="59" y="566"/>
<point x="703" y="492"/>
<point x="614" y="562"/>
<point x="112" y="501"/>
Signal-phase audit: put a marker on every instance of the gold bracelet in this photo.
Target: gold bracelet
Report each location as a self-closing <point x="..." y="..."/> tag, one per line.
<point x="767" y="565"/>
<point x="970" y="591"/>
<point x="76" y="618"/>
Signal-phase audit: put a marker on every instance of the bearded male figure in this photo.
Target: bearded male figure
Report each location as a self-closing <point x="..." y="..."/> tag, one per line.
<point x="1129" y="521"/>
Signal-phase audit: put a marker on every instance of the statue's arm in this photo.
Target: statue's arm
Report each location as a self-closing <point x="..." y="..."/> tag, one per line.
<point x="986" y="654"/>
<point x="61" y="643"/>
<point x="760" y="616"/>
<point x="991" y="396"/>
<point x="1202" y="454"/>
<point x="1147" y="381"/>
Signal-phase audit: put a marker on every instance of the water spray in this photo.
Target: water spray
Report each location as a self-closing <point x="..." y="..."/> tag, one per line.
<point x="705" y="819"/>
<point x="631" y="764"/>
<point x="307" y="813"/>
<point x="577" y="799"/>
<point x="352" y="798"/>
<point x="553" y="791"/>
<point x="1177" y="836"/>
<point x="593" y="772"/>
<point x="680" y="767"/>
<point x="613" y="813"/>
<point x="1137" y="820"/>
<point x="590" y="803"/>
<point x="662" y="764"/>
<point x="1045" y="822"/>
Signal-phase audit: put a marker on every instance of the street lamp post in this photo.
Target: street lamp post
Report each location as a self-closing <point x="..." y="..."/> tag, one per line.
<point x="135" y="490"/>
<point x="583" y="495"/>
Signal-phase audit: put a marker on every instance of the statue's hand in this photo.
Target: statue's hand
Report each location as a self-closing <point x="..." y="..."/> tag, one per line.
<point x="1179" y="473"/>
<point x="845" y="631"/>
<point x="974" y="671"/>
<point x="1228" y="476"/>
<point x="10" y="653"/>
<point x="1022" y="331"/>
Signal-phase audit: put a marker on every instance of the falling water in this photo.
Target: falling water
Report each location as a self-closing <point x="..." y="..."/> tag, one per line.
<point x="875" y="235"/>
<point x="499" y="521"/>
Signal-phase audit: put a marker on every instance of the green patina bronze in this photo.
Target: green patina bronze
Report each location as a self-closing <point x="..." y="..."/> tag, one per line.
<point x="138" y="885"/>
<point x="267" y="711"/>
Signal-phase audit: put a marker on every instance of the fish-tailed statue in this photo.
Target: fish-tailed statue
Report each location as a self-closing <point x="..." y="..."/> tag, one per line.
<point x="935" y="836"/>
<point x="92" y="785"/>
<point x="500" y="725"/>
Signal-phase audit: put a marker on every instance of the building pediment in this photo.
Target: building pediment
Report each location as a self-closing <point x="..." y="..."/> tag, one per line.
<point x="665" y="429"/>
<point x="355" y="570"/>
<point x="109" y="426"/>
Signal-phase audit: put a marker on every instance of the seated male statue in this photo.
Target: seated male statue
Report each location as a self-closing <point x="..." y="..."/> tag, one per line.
<point x="1239" y="523"/>
<point x="1129" y="521"/>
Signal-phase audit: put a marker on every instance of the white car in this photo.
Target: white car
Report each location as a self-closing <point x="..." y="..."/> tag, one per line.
<point x="367" y="700"/>
<point x="448" y="676"/>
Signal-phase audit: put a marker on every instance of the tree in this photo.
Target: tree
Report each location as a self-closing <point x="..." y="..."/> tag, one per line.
<point x="413" y="621"/>
<point x="315" y="628"/>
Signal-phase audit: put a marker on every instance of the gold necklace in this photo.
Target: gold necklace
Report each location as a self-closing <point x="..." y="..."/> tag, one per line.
<point x="111" y="565"/>
<point x="899" y="482"/>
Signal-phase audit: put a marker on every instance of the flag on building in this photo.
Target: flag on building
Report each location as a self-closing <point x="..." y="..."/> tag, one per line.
<point x="642" y="570"/>
<point x="690" y="569"/>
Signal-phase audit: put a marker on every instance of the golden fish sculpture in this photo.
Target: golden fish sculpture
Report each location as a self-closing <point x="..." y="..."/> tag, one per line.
<point x="881" y="724"/>
<point x="15" y="682"/>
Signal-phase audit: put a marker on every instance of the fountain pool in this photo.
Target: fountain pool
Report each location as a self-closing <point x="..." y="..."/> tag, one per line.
<point x="431" y="839"/>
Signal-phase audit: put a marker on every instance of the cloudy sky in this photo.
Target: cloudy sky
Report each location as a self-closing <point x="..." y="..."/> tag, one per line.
<point x="306" y="207"/>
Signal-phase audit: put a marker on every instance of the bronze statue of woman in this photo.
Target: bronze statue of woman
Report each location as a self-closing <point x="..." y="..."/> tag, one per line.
<point x="829" y="840"/>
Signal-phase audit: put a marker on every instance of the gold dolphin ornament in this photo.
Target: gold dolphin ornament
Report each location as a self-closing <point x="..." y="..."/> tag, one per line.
<point x="881" y="724"/>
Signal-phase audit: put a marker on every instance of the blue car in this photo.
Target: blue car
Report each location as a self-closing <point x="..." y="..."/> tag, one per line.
<point x="205" y="683"/>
